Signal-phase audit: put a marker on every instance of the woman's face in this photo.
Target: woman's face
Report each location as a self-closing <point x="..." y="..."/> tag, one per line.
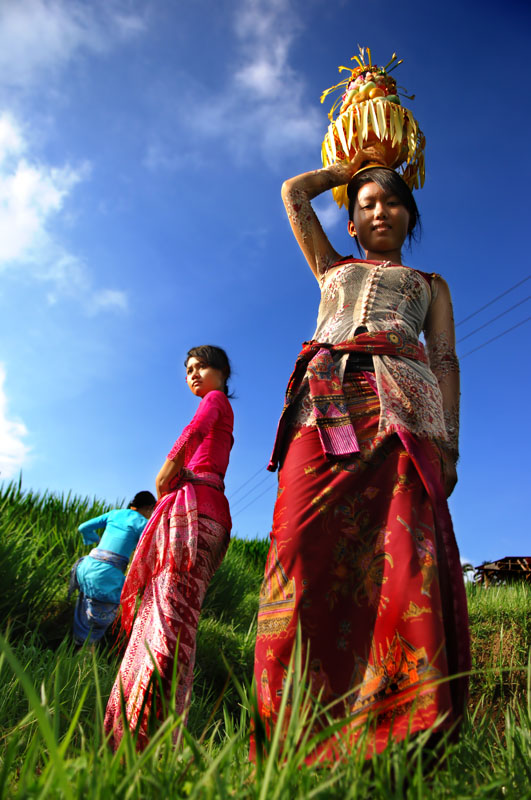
<point x="202" y="378"/>
<point x="380" y="221"/>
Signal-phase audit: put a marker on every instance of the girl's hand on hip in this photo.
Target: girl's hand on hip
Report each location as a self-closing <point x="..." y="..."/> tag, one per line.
<point x="168" y="471"/>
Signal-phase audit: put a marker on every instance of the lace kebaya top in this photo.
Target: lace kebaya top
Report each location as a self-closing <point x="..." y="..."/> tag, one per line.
<point x="380" y="296"/>
<point x="207" y="441"/>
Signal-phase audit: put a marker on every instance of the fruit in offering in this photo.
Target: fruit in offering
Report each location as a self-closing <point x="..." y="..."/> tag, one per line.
<point x="371" y="111"/>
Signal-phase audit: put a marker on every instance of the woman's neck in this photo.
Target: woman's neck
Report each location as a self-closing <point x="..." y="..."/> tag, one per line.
<point x="394" y="256"/>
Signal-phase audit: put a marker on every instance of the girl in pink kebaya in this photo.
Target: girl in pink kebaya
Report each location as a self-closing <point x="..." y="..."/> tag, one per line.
<point x="181" y="548"/>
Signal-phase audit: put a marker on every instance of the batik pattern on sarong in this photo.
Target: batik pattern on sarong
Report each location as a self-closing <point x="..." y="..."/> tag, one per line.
<point x="357" y="560"/>
<point x="164" y="629"/>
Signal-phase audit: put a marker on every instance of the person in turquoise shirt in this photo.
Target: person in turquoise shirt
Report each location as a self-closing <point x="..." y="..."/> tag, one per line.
<point x="99" y="577"/>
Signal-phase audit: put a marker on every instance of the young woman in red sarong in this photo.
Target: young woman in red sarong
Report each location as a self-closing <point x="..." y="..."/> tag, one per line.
<point x="363" y="555"/>
<point x="181" y="548"/>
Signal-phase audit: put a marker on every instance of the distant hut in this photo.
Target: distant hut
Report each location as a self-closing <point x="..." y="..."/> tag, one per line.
<point x="506" y="570"/>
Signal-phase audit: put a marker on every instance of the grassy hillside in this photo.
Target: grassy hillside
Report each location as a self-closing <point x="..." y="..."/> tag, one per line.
<point x="53" y="697"/>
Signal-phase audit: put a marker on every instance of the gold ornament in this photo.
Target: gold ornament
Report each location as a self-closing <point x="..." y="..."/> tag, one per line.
<point x="370" y="113"/>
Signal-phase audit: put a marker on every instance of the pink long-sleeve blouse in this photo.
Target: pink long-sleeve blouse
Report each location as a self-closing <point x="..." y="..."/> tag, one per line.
<point x="207" y="441"/>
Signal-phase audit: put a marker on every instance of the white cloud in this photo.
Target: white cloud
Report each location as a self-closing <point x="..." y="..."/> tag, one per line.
<point x="109" y="299"/>
<point x="261" y="110"/>
<point x="11" y="142"/>
<point x="42" y="36"/>
<point x="469" y="574"/>
<point x="13" y="450"/>
<point x="32" y="196"/>
<point x="328" y="211"/>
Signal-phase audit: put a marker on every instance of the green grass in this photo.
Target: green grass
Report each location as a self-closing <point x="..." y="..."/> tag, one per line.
<point x="39" y="543"/>
<point x="54" y="747"/>
<point x="53" y="696"/>
<point x="500" y="627"/>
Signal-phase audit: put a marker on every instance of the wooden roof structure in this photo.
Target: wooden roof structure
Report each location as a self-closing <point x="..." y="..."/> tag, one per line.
<point x="505" y="570"/>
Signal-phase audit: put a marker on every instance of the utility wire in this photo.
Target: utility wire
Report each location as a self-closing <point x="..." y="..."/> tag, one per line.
<point x="254" y="488"/>
<point x="475" y="349"/>
<point x="495" y="338"/>
<point x="462" y="339"/>
<point x="235" y="492"/>
<point x="239" y="511"/>
<point x="473" y="314"/>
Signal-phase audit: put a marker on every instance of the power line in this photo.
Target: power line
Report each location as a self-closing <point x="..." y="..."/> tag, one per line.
<point x="479" y="347"/>
<point x="253" y="489"/>
<point x="260" y="469"/>
<point x="468" y="335"/>
<point x="462" y="339"/>
<point x="493" y="301"/>
<point x="495" y="338"/>
<point x="239" y="511"/>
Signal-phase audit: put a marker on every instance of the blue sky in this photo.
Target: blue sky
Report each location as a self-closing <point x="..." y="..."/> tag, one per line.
<point x="142" y="148"/>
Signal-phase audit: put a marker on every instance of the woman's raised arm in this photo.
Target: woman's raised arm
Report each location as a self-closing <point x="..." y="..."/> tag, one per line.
<point x="440" y="344"/>
<point x="297" y="194"/>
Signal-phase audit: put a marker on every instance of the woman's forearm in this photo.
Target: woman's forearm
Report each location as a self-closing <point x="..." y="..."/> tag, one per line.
<point x="167" y="472"/>
<point x="440" y="343"/>
<point x="318" y="181"/>
<point x="321" y="180"/>
<point x="297" y="194"/>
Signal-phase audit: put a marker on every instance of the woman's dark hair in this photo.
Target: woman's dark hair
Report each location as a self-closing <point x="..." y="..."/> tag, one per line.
<point x="142" y="500"/>
<point x="391" y="182"/>
<point x="214" y="357"/>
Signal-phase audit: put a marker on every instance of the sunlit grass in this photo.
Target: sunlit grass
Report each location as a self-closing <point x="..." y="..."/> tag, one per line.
<point x="55" y="746"/>
<point x="52" y="698"/>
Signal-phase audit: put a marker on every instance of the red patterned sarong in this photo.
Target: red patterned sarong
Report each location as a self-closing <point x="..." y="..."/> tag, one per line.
<point x="363" y="557"/>
<point x="179" y="552"/>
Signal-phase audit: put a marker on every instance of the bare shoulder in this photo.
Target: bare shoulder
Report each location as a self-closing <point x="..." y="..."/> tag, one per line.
<point x="439" y="288"/>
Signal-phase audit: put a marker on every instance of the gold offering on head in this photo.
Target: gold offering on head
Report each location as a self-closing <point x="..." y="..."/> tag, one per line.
<point x="371" y="113"/>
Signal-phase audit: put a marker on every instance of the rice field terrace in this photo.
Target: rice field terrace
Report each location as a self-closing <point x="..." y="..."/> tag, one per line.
<point x="53" y="696"/>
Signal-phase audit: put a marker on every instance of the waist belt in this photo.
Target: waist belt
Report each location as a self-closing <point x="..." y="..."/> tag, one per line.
<point x="336" y="431"/>
<point x="108" y="557"/>
<point x="205" y="479"/>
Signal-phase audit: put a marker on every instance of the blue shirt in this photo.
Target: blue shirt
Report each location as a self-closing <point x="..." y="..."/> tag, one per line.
<point x="122" y="530"/>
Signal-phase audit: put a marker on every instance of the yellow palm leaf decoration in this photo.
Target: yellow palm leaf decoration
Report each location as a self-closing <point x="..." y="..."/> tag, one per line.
<point x="371" y="112"/>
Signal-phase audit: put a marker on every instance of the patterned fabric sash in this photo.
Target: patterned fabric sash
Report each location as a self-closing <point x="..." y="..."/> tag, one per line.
<point x="336" y="431"/>
<point x="169" y="538"/>
<point x="99" y="555"/>
<point x="108" y="557"/>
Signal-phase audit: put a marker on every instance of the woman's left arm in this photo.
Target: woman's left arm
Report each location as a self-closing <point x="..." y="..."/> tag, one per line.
<point x="168" y="471"/>
<point x="440" y="343"/>
<point x="88" y="529"/>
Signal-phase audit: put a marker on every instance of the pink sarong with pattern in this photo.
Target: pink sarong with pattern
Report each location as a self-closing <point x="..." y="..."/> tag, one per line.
<point x="179" y="551"/>
<point x="175" y="561"/>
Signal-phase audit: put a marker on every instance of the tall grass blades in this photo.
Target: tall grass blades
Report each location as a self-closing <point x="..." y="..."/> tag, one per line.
<point x="500" y="626"/>
<point x="38" y="544"/>
<point x="56" y="748"/>
<point x="52" y="741"/>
